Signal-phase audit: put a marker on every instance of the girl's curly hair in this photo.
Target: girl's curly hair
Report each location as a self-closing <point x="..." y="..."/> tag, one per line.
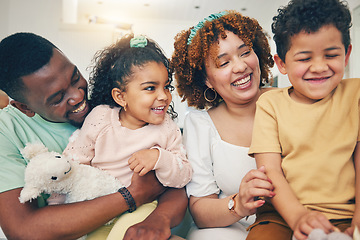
<point x="188" y="61"/>
<point x="113" y="67"/>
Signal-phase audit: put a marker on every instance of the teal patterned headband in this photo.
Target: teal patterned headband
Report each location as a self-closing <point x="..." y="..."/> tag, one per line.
<point x="202" y="23"/>
<point x="138" y="42"/>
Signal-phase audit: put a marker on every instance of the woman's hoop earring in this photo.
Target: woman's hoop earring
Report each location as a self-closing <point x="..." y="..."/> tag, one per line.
<point x="214" y="93"/>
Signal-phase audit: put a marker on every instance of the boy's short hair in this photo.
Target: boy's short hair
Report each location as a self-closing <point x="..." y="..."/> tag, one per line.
<point x="309" y="16"/>
<point x="22" y="54"/>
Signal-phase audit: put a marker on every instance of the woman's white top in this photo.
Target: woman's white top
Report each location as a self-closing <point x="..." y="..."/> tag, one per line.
<point x="218" y="166"/>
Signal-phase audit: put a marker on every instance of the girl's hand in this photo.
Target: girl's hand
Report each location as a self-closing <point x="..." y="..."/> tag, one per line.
<point x="144" y="161"/>
<point x="255" y="184"/>
<point x="309" y="221"/>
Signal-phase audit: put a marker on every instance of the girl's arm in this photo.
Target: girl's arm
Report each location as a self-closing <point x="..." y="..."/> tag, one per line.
<point x="173" y="168"/>
<point x="169" y="160"/>
<point x="300" y="220"/>
<point x="81" y="146"/>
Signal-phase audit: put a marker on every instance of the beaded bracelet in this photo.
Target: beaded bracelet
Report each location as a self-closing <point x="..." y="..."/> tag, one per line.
<point x="128" y="199"/>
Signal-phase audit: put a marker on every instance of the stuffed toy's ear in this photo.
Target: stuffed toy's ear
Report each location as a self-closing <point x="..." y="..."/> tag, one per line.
<point x="28" y="193"/>
<point x="33" y="149"/>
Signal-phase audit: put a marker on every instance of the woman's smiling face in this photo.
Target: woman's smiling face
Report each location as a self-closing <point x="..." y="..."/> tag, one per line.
<point x="235" y="73"/>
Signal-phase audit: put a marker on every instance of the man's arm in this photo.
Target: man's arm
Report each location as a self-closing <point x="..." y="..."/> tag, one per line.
<point x="169" y="213"/>
<point x="69" y="221"/>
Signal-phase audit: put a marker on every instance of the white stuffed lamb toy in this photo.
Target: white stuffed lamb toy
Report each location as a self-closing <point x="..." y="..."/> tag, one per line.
<point x="51" y="172"/>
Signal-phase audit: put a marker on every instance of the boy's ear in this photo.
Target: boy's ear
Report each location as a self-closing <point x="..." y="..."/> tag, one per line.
<point x="280" y="64"/>
<point x="119" y="96"/>
<point x="347" y="56"/>
<point x="23" y="108"/>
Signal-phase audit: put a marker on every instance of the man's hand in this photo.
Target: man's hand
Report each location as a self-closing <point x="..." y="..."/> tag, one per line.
<point x="149" y="229"/>
<point x="169" y="213"/>
<point x="145" y="189"/>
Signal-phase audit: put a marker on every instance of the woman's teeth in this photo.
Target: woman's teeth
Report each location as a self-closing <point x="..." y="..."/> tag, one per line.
<point x="241" y="81"/>
<point x="79" y="109"/>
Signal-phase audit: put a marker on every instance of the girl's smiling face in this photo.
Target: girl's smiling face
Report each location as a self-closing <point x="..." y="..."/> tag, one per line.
<point x="235" y="73"/>
<point x="147" y="96"/>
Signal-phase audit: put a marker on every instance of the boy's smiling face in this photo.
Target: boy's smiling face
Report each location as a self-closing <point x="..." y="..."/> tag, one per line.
<point x="315" y="63"/>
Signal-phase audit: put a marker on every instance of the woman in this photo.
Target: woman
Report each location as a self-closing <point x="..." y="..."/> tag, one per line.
<point x="220" y="65"/>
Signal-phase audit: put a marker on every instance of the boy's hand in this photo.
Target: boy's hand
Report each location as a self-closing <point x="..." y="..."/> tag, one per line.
<point x="144" y="161"/>
<point x="309" y="221"/>
<point x="355" y="222"/>
<point x="255" y="184"/>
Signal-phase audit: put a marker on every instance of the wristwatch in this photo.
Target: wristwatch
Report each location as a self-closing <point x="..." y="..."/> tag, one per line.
<point x="231" y="205"/>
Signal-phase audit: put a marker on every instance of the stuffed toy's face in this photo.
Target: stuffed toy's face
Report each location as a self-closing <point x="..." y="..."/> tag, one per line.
<point x="47" y="168"/>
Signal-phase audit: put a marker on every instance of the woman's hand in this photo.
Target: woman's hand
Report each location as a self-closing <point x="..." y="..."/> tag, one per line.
<point x="253" y="189"/>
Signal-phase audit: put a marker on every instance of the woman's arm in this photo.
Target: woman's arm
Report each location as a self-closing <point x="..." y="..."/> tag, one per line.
<point x="255" y="183"/>
<point x="69" y="221"/>
<point x="219" y="216"/>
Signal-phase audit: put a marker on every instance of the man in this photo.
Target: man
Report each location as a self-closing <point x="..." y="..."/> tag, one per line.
<point x="49" y="101"/>
<point x="4" y="99"/>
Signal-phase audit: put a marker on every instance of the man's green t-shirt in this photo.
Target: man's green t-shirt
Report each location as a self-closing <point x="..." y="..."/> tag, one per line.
<point x="17" y="129"/>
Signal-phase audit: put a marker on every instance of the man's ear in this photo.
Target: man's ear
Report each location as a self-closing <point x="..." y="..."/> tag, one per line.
<point x="119" y="96"/>
<point x="280" y="64"/>
<point x="22" y="107"/>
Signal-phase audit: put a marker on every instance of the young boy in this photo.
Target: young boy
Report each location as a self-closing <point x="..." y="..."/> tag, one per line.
<point x="306" y="135"/>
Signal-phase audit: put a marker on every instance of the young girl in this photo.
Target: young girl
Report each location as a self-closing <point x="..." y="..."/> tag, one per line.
<point x="129" y="129"/>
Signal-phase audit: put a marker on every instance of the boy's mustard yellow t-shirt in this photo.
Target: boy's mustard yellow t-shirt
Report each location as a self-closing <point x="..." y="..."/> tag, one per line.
<point x="316" y="142"/>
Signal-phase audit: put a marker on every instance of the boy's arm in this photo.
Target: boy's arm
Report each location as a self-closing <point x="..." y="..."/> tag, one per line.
<point x="168" y="214"/>
<point x="356" y="217"/>
<point x="300" y="220"/>
<point x="69" y="221"/>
